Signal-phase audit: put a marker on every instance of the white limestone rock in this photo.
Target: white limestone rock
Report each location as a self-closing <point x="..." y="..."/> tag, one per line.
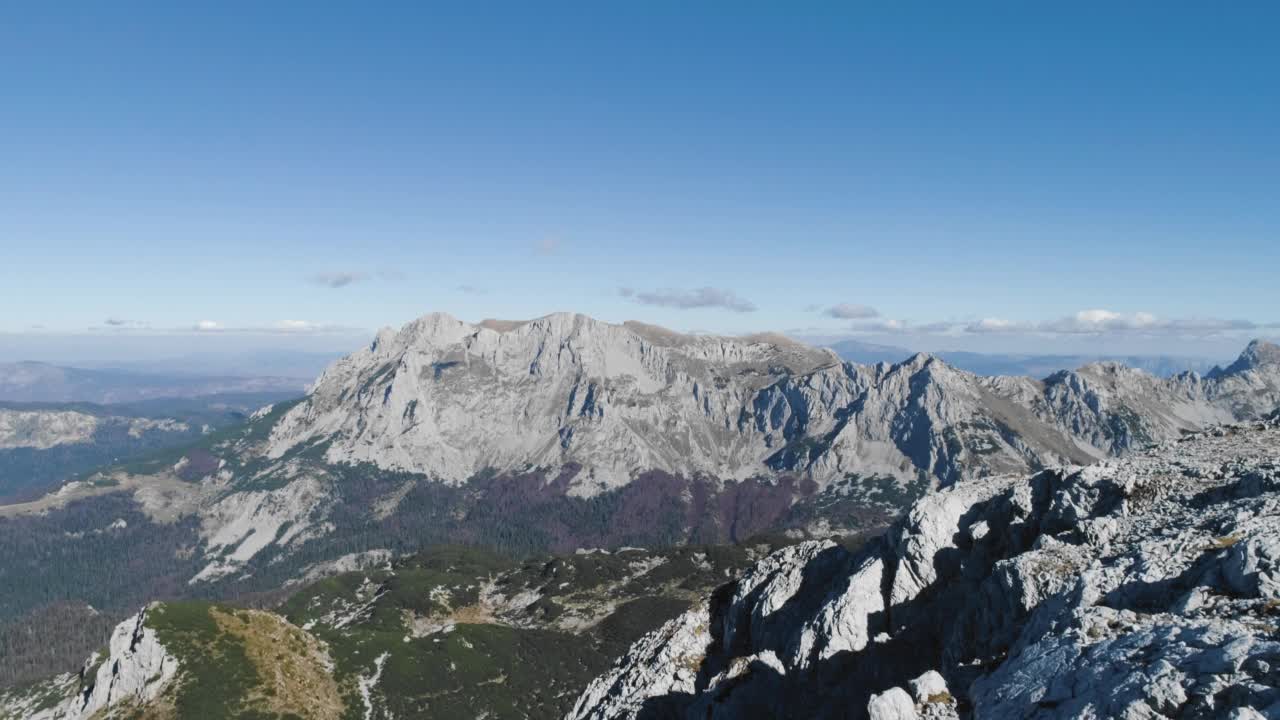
<point x="663" y="662"/>
<point x="1252" y="567"/>
<point x="450" y="399"/>
<point x="245" y="523"/>
<point x="847" y="621"/>
<point x="136" y="670"/>
<point x="593" y="406"/>
<point x="892" y="704"/>
<point x="929" y="685"/>
<point x="1141" y="588"/>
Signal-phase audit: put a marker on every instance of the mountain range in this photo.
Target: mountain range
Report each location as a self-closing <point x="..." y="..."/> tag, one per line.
<point x="707" y="438"/>
<point x="45" y="444"/>
<point x="1145" y="587"/>
<point x="44" y="382"/>
<point x="565" y="432"/>
<point x="450" y="400"/>
<point x="1031" y="364"/>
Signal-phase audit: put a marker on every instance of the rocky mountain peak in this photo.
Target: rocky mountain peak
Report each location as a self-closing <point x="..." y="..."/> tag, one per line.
<point x="450" y="399"/>
<point x="1112" y="368"/>
<point x="565" y="405"/>
<point x="1141" y="588"/>
<point x="919" y="360"/>
<point x="1257" y="355"/>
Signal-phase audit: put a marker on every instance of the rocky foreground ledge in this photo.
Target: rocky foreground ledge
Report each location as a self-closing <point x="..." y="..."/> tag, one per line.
<point x="1142" y="588"/>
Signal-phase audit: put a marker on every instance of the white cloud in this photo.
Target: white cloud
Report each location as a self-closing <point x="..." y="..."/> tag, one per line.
<point x="120" y="324"/>
<point x="338" y="279"/>
<point x="214" y="327"/>
<point x="297" y="326"/>
<point x="940" y="327"/>
<point x="1097" y="317"/>
<point x="1095" y="321"/>
<point x="851" y="311"/>
<point x="881" y="326"/>
<point x="704" y="297"/>
<point x="892" y="325"/>
<point x="996" y="325"/>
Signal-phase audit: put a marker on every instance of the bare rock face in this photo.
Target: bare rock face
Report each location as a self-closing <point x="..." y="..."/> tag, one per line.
<point x="661" y="666"/>
<point x="452" y="400"/>
<point x="716" y="437"/>
<point x="892" y="704"/>
<point x="136" y="670"/>
<point x="1141" y="588"/>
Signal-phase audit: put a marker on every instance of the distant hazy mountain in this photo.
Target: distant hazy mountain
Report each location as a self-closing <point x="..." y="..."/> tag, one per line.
<point x="864" y="353"/>
<point x="252" y="364"/>
<point x="1031" y="365"/>
<point x="42" y="382"/>
<point x="44" y="444"/>
<point x="451" y="400"/>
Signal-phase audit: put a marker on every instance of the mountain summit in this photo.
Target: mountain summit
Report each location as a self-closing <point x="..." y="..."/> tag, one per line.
<point x="564" y="431"/>
<point x="1259" y="355"/>
<point x="451" y="400"/>
<point x="1141" y="588"/>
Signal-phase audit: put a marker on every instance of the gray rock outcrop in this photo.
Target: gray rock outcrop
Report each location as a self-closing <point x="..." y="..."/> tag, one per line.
<point x="136" y="669"/>
<point x="1140" y="588"/>
<point x="449" y="399"/>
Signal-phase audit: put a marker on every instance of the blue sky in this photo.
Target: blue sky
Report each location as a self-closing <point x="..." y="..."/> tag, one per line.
<point x="988" y="176"/>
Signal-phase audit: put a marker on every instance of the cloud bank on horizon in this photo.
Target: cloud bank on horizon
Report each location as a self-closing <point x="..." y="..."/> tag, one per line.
<point x="862" y="320"/>
<point x="1094" y="322"/>
<point x="703" y="297"/>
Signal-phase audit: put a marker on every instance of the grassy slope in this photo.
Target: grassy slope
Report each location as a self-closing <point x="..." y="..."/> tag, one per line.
<point x="449" y="633"/>
<point x="464" y="632"/>
<point x="237" y="663"/>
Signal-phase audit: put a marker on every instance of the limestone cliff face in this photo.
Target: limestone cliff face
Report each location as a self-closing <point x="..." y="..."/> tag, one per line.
<point x="135" y="671"/>
<point x="192" y="659"/>
<point x="1141" y="588"/>
<point x="740" y="430"/>
<point x="452" y="400"/>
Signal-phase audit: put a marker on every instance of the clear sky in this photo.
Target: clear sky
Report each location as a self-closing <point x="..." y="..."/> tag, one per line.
<point x="1059" y="176"/>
